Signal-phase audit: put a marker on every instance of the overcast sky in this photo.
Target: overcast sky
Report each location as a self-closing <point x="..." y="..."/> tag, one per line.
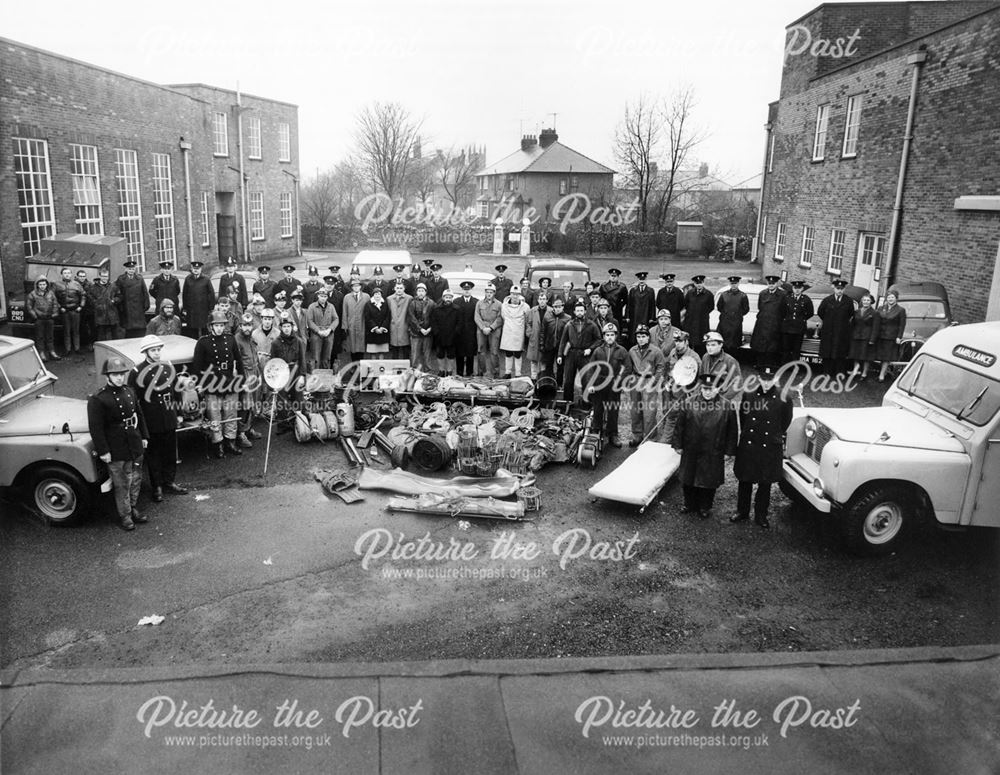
<point x="476" y="72"/>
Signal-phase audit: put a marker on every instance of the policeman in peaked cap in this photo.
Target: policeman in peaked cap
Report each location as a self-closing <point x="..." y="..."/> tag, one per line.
<point x="409" y="287"/>
<point x="772" y="309"/>
<point x="670" y="298"/>
<point x="232" y="278"/>
<point x="436" y="284"/>
<point x="288" y="283"/>
<point x="733" y="305"/>
<point x="698" y="306"/>
<point x="502" y="282"/>
<point x="264" y="285"/>
<point x="641" y="305"/>
<point x="798" y="310"/>
<point x="119" y="433"/>
<point x="616" y="293"/>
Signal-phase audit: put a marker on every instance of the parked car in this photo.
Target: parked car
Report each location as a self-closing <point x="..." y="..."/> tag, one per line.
<point x="45" y="444"/>
<point x="930" y="452"/>
<point x="367" y="260"/>
<point x="927" y="308"/>
<point x="481" y="279"/>
<point x="177" y="349"/>
<point x="559" y="270"/>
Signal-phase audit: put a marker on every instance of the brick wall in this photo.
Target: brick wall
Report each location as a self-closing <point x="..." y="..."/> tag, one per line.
<point x="63" y="101"/>
<point x="953" y="154"/>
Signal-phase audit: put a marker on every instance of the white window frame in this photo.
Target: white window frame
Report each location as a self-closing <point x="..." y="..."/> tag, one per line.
<point x="163" y="209"/>
<point x="819" y="138"/>
<point x="563" y="186"/>
<point x="838" y="246"/>
<point x="285" y="203"/>
<point x="253" y="137"/>
<point x="34" y="192"/>
<point x="284" y="141"/>
<point x="130" y="204"/>
<point x="780" y="237"/>
<point x="808" y="246"/>
<point x="484" y="208"/>
<point x="852" y="126"/>
<point x="484" y="183"/>
<point x="220" y="134"/>
<point x="85" y="173"/>
<point x="206" y="219"/>
<point x="256" y="216"/>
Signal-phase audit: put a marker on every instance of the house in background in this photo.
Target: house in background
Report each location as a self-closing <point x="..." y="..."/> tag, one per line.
<point x="883" y="166"/>
<point x="181" y="172"/>
<point x="535" y="178"/>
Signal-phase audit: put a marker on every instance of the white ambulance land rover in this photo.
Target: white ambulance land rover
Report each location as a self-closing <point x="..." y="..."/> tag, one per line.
<point x="931" y="450"/>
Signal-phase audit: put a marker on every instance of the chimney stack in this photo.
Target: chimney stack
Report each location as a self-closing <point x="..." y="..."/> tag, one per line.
<point x="547" y="137"/>
<point x="528" y="142"/>
<point x="703" y="171"/>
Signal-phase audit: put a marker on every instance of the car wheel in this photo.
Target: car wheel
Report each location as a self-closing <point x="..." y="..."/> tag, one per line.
<point x="59" y="495"/>
<point x="875" y="521"/>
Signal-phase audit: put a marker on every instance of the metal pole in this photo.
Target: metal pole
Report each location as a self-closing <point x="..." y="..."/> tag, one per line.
<point x="270" y="425"/>
<point x="243" y="197"/>
<point x="185" y="149"/>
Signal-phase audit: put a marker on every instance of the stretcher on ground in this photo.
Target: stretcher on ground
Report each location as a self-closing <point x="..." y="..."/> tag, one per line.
<point x="641" y="477"/>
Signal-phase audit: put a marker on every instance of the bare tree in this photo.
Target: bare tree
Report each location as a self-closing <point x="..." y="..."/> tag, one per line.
<point x="682" y="137"/>
<point x="457" y="175"/>
<point x="319" y="203"/>
<point x="387" y="135"/>
<point x="637" y="146"/>
<point x="421" y="178"/>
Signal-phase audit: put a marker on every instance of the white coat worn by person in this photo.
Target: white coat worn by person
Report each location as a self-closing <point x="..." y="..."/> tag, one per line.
<point x="353" y="320"/>
<point x="515" y="317"/>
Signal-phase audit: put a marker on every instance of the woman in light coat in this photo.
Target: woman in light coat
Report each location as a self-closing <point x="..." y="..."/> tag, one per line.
<point x="515" y="323"/>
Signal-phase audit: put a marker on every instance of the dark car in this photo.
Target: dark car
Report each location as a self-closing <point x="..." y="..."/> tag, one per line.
<point x="927" y="308"/>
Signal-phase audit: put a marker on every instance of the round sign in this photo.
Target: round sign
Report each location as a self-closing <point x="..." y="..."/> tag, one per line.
<point x="276" y="373"/>
<point x="684" y="372"/>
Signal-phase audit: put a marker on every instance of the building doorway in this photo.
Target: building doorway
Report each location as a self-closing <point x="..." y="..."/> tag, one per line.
<point x="225" y="225"/>
<point x="871" y="261"/>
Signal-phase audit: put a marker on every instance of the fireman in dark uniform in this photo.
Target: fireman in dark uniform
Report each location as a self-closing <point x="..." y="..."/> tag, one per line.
<point x="409" y="287"/>
<point x="265" y="286"/>
<point x="670" y="298"/>
<point x="119" y="432"/>
<point x="608" y="363"/>
<point x="798" y="310"/>
<point x="501" y="282"/>
<point x="153" y="383"/>
<point x="764" y="418"/>
<point x="698" y="304"/>
<point x="640" y="309"/>
<point x="231" y="278"/>
<point x="766" y="338"/>
<point x="288" y="283"/>
<point x="219" y="367"/>
<point x="733" y="306"/>
<point x="436" y="284"/>
<point x="616" y="293"/>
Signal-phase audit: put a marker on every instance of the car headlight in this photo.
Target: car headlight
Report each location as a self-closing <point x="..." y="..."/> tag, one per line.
<point x="818" y="487"/>
<point x="811" y="427"/>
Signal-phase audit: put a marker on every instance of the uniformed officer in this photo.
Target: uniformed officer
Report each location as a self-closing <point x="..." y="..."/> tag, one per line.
<point x="338" y="281"/>
<point x="670" y="298"/>
<point x="698" y="304"/>
<point x="197" y="301"/>
<point x="153" y="382"/>
<point x="409" y="287"/>
<point x="764" y="418"/>
<point x="311" y="286"/>
<point x="836" y="314"/>
<point x="378" y="281"/>
<point x="233" y="278"/>
<point x="641" y="306"/>
<point x="219" y="368"/>
<point x="165" y="285"/>
<point x="119" y="432"/>
<point x="425" y="273"/>
<point x="436" y="284"/>
<point x="502" y="283"/>
<point x="798" y="310"/>
<point x="723" y="366"/>
<point x="616" y="293"/>
<point x="765" y="341"/>
<point x="647" y="363"/>
<point x="733" y="306"/>
<point x="601" y="384"/>
<point x="578" y="339"/>
<point x="265" y="286"/>
<point x="288" y="283"/>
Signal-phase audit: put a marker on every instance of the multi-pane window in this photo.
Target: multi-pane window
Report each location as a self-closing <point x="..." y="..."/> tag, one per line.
<point x="779" y="243"/>
<point x="129" y="206"/>
<point x="852" y="125"/>
<point x="86" y="189"/>
<point x="284" y="142"/>
<point x="220" y="133"/>
<point x="253" y="137"/>
<point x="484" y="208"/>
<point x="256" y="215"/>
<point x="562" y="186"/>
<point x="163" y="208"/>
<point x="808" y="245"/>
<point x="286" y="215"/>
<point x="838" y="240"/>
<point x="819" y="139"/>
<point x="574" y="183"/>
<point x="34" y="192"/>
<point x="484" y="183"/>
<point x="206" y="219"/>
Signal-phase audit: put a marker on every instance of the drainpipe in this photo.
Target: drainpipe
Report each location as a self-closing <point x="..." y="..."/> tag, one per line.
<point x="298" y="222"/>
<point x="768" y="127"/>
<point x="243" y="196"/>
<point x="185" y="150"/>
<point x="917" y="60"/>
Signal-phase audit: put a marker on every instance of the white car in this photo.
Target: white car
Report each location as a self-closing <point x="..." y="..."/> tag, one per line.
<point x="455" y="280"/>
<point x="367" y="260"/>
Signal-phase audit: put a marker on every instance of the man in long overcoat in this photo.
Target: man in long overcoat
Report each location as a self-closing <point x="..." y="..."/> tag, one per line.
<point x="197" y="301"/>
<point x="641" y="306"/>
<point x="670" y="298"/>
<point x="165" y="285"/>
<point x="233" y="278"/>
<point x="133" y="300"/>
<point x="836" y="313"/>
<point x="765" y="415"/>
<point x="616" y="294"/>
<point x="733" y="306"/>
<point x="466" y="342"/>
<point x="766" y="338"/>
<point x="793" y="326"/>
<point x="698" y="304"/>
<point x="705" y="434"/>
<point x="353" y="319"/>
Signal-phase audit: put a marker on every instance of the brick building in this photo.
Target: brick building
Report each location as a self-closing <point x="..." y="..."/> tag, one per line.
<point x="92" y="151"/>
<point x="837" y="151"/>
<point x="534" y="178"/>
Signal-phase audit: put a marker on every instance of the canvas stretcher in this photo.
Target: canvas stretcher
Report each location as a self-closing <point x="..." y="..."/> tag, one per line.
<point x="643" y="474"/>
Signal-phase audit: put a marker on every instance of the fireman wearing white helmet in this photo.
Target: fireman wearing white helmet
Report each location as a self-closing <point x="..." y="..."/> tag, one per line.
<point x="154" y="382"/>
<point x="722" y="365"/>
